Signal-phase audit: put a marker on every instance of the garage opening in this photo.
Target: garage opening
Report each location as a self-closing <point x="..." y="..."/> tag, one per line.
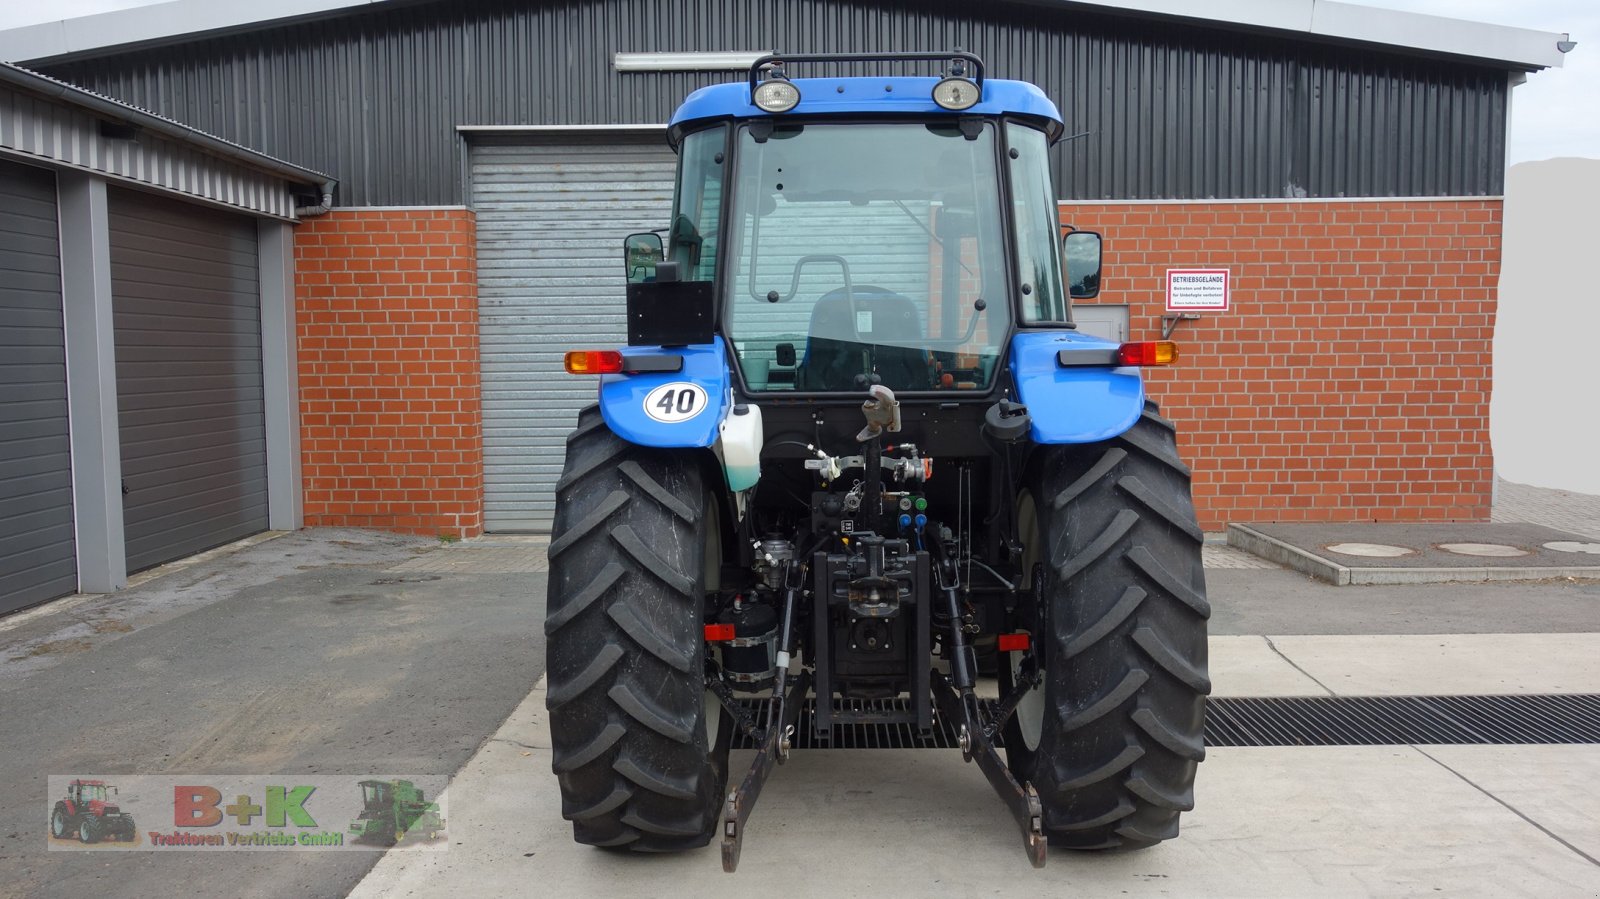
<point x="186" y="306"/>
<point x="551" y="220"/>
<point x="38" y="554"/>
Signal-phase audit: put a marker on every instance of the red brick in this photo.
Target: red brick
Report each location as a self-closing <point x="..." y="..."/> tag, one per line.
<point x="387" y="323"/>
<point x="1353" y="367"/>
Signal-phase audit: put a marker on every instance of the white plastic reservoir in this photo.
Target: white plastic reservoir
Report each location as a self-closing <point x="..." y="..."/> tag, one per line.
<point x="741" y="440"/>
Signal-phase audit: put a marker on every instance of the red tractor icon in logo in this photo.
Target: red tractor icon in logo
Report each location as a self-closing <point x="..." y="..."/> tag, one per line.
<point x="89" y="813"/>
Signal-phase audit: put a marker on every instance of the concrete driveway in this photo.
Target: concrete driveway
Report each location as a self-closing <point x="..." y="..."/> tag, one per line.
<point x="316" y="652"/>
<point x="353" y="652"/>
<point x="1517" y="820"/>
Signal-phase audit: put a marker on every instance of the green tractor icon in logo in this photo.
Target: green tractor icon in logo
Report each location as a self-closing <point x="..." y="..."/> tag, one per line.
<point x="393" y="811"/>
<point x="89" y="813"/>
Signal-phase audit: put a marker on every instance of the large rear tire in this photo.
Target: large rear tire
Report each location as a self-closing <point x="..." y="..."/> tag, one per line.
<point x="640" y="765"/>
<point x="60" y="822"/>
<point x="1113" y="742"/>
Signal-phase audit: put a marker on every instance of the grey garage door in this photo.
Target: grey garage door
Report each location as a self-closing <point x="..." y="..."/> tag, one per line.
<point x="38" y="558"/>
<point x="186" y="306"/>
<point x="551" y="219"/>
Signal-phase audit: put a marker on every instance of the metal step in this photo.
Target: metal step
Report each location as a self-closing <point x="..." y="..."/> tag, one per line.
<point x="857" y="736"/>
<point x="1291" y="721"/>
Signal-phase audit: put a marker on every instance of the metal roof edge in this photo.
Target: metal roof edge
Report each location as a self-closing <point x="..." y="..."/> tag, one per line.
<point x="126" y="29"/>
<point x="558" y="129"/>
<point x="53" y="88"/>
<point x="1337" y="20"/>
<point x="1440" y="34"/>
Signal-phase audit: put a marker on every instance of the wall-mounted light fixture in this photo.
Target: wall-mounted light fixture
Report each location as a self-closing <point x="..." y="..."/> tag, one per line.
<point x="726" y="61"/>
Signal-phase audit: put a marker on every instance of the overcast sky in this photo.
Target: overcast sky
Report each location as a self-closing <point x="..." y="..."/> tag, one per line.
<point x="1553" y="114"/>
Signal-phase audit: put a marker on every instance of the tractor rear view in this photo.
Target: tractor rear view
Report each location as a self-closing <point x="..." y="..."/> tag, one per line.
<point x="855" y="449"/>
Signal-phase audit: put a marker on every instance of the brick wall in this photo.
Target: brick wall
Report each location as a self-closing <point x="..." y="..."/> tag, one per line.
<point x="1350" y="380"/>
<point x="390" y="418"/>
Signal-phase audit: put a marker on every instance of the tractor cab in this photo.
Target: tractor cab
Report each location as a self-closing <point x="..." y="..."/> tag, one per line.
<point x="375" y="795"/>
<point x="845" y="232"/>
<point x="88" y="792"/>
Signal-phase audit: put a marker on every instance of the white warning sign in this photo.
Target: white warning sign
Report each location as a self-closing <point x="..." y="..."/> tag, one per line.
<point x="1197" y="290"/>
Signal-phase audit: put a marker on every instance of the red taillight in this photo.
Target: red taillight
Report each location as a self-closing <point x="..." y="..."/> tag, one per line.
<point x="719" y="633"/>
<point x="1013" y="642"/>
<point x="593" y="362"/>
<point x="1148" y="352"/>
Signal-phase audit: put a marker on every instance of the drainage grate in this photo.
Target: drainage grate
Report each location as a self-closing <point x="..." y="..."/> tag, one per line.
<point x="1292" y="721"/>
<point x="1399" y="720"/>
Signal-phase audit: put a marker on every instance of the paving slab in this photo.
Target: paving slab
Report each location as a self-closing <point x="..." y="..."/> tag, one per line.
<point x="1290" y="602"/>
<point x="1368" y="821"/>
<point x="1382" y="553"/>
<point x="1564" y="509"/>
<point x="1447" y="664"/>
<point x="1556" y="786"/>
<point x="1250" y="666"/>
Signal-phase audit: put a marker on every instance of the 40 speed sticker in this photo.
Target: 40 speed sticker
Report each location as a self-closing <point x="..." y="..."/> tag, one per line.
<point x="672" y="403"/>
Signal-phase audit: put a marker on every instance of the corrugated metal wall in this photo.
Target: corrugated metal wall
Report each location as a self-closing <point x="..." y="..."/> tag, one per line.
<point x="37" y="128"/>
<point x="1172" y="111"/>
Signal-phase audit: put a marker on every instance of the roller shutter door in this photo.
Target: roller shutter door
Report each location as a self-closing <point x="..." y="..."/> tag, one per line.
<point x="551" y="219"/>
<point x="186" y="306"/>
<point x="38" y="555"/>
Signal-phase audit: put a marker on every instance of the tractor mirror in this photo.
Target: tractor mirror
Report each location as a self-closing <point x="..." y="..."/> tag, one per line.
<point x="1082" y="251"/>
<point x="640" y="255"/>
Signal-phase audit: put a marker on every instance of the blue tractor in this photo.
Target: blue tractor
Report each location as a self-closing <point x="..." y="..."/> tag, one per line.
<point x="856" y="450"/>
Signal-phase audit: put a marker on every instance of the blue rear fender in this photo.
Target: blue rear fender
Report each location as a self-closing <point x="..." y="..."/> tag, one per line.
<point x="1076" y="404"/>
<point x="669" y="409"/>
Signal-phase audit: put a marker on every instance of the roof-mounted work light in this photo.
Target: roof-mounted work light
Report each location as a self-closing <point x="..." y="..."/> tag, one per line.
<point x="775" y="95"/>
<point x="956" y="94"/>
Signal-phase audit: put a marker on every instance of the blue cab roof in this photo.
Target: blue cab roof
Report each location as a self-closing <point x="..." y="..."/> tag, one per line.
<point x="882" y="96"/>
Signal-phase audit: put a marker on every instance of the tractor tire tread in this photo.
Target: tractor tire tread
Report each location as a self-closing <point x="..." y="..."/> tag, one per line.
<point x="1126" y="673"/>
<point x="1071" y="780"/>
<point x="640" y="709"/>
<point x="1170" y="660"/>
<point x="689" y="827"/>
<point x="649" y="641"/>
<point x="1125" y="689"/>
<point x="625" y="681"/>
<point x="1112" y="458"/>
<point x="583" y="755"/>
<point x="1103" y="543"/>
<point x="655" y="781"/>
<point x="1126" y="605"/>
<point x="1189" y="748"/>
<point x="580" y="601"/>
<point x="652" y="563"/>
<point x="584" y="528"/>
<point x="1143" y="559"/>
<point x="617" y="798"/>
<point x="1148" y="498"/>
<point x="1153" y="446"/>
<point x="652" y="487"/>
<point x="580" y="683"/>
